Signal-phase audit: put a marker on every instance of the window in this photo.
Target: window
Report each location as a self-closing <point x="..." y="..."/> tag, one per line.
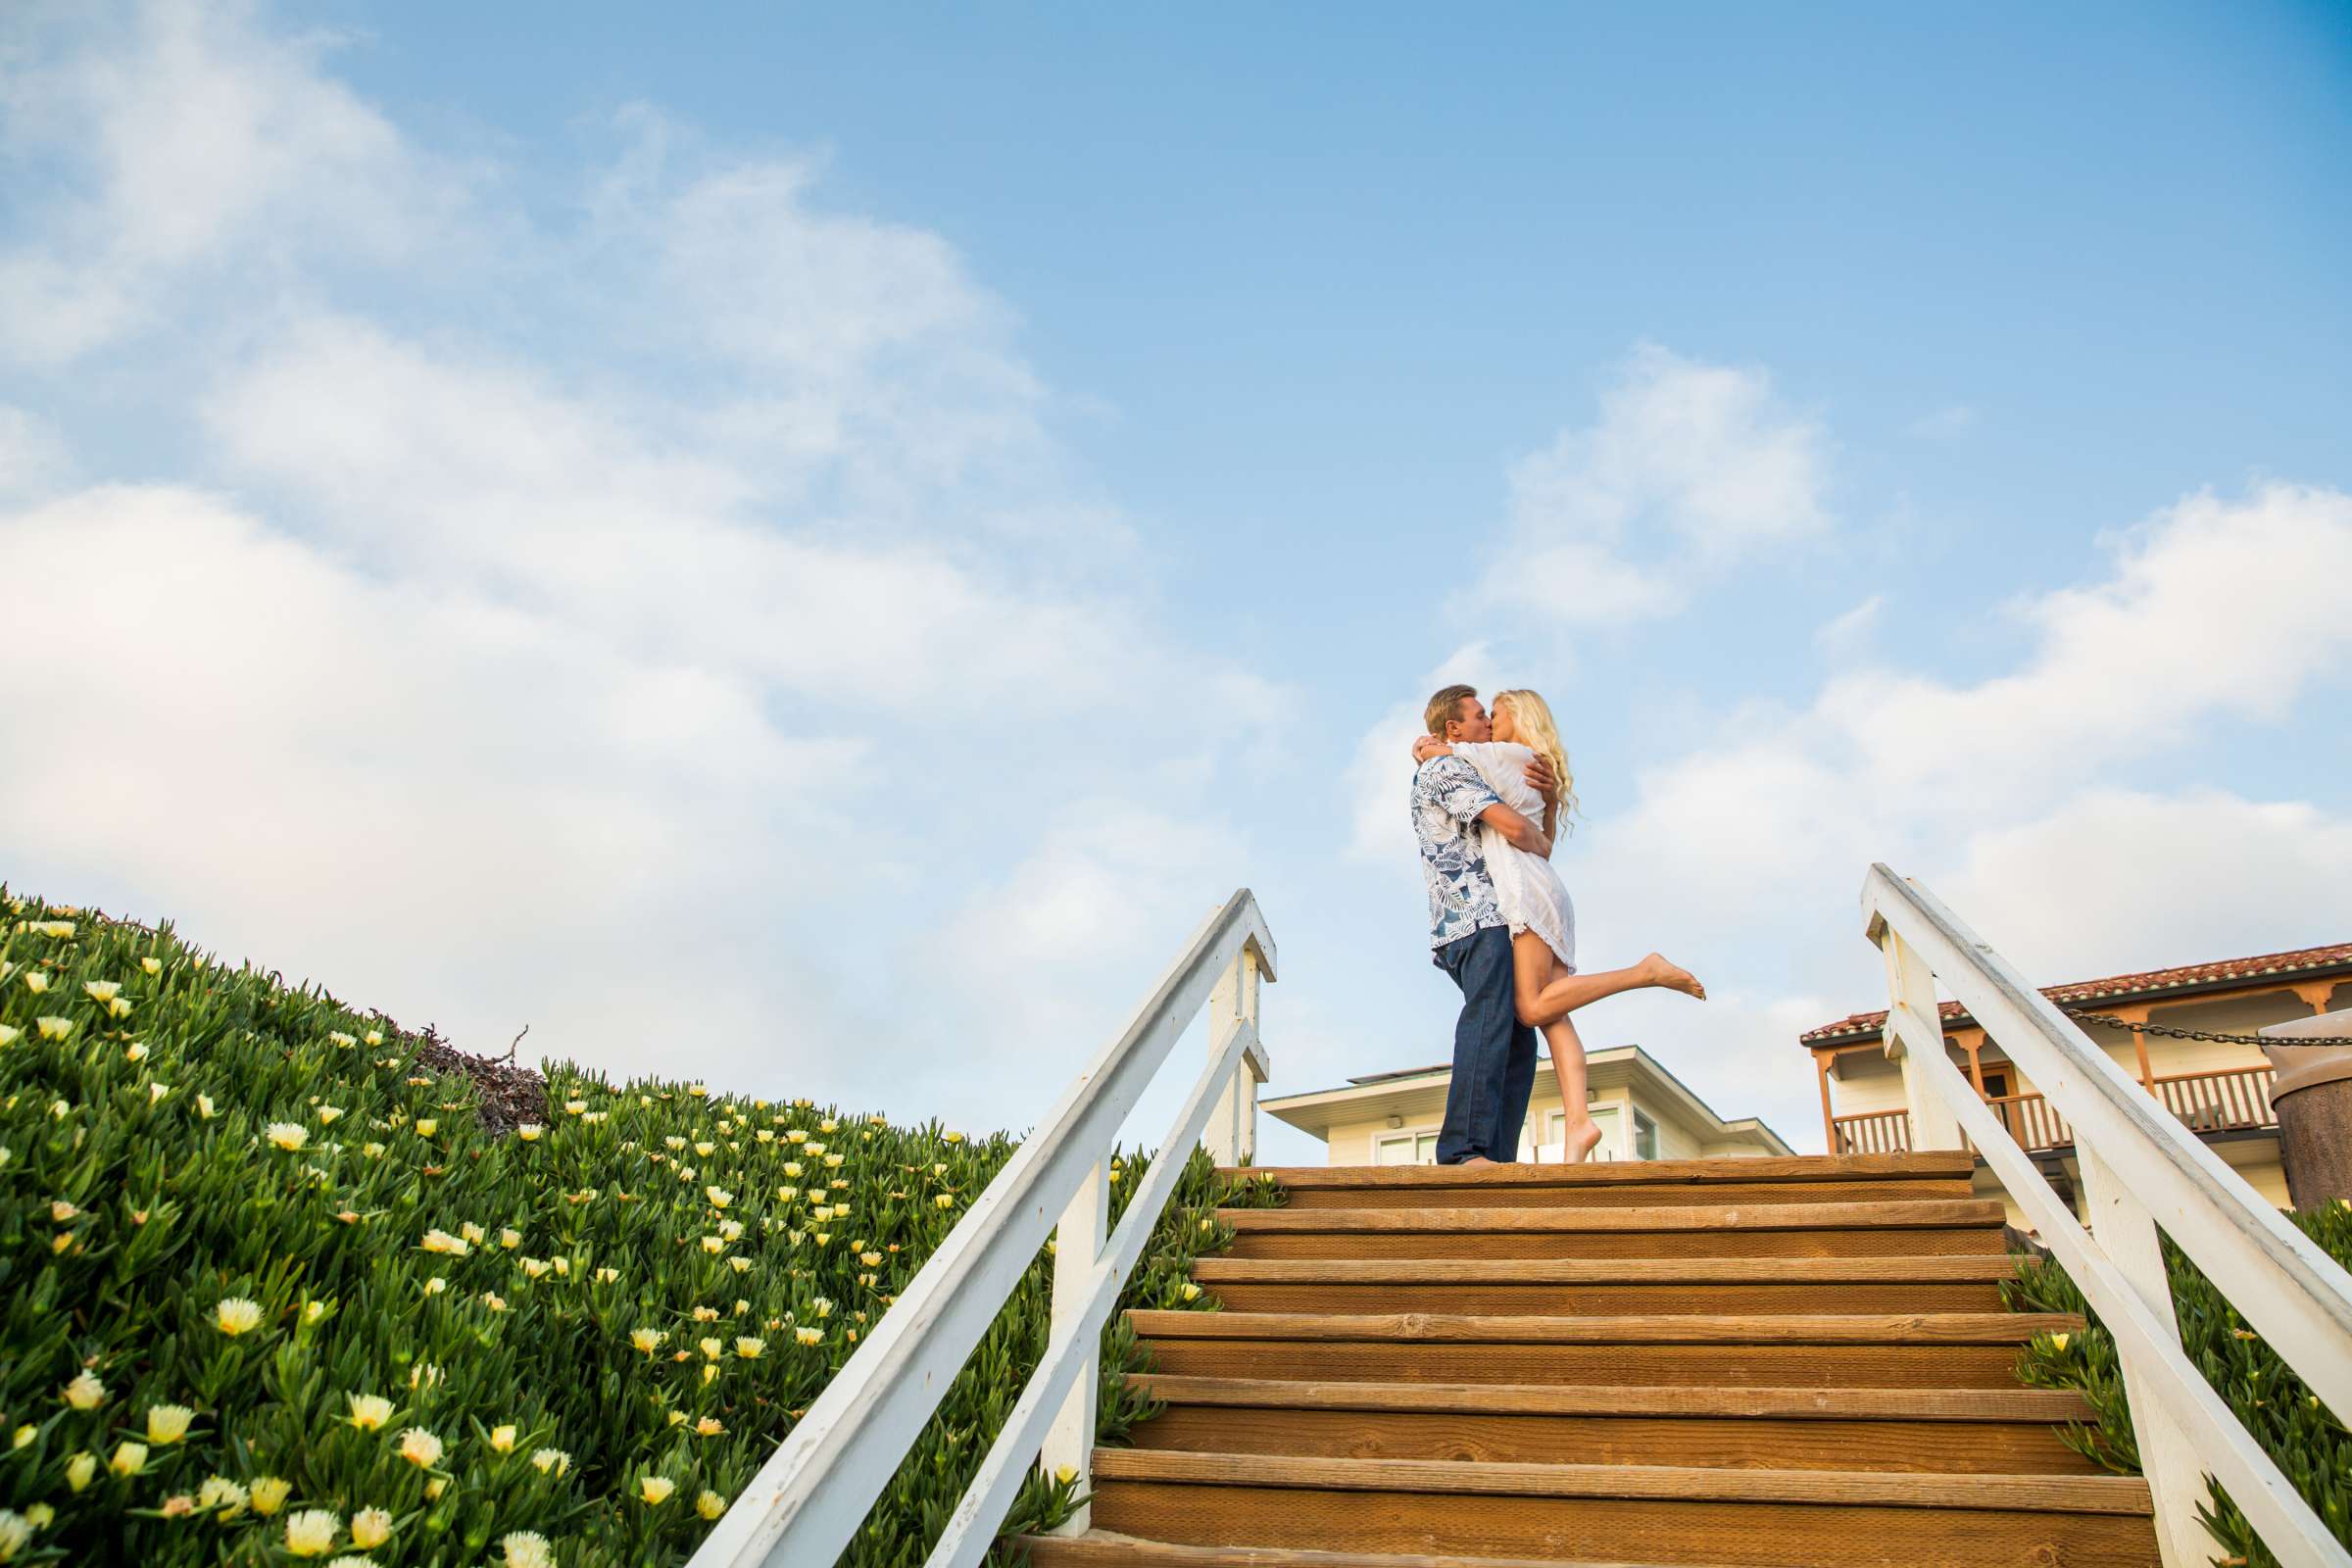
<point x="1645" y="1136"/>
<point x="1405" y="1149"/>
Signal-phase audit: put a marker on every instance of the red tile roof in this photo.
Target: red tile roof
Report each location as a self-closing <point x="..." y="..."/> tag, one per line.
<point x="2153" y="982"/>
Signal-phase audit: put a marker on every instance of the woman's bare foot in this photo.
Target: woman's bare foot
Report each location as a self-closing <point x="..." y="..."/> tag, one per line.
<point x="1579" y="1142"/>
<point x="1673" y="976"/>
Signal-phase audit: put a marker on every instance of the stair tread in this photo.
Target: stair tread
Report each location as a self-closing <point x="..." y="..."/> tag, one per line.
<point x="2038" y="1493"/>
<point x="1543" y="1398"/>
<point x="1746" y="1328"/>
<point x="1110" y="1546"/>
<point x="1882" y="1215"/>
<point x="1959" y="1267"/>
<point x="1621" y="1173"/>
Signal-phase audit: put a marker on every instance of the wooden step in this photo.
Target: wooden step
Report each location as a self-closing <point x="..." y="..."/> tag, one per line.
<point x="1576" y="1285"/>
<point x="1657" y="1513"/>
<point x="1104" y="1549"/>
<point x="1702" y="1365"/>
<point x="1928" y="1227"/>
<point x="1930" y="1166"/>
<point x="1954" y="1405"/>
<point x="1741" y="1443"/>
<point x="1690" y="1328"/>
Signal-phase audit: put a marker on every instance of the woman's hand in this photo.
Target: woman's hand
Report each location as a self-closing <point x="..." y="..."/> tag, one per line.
<point x="1542" y="780"/>
<point x="1426" y="747"/>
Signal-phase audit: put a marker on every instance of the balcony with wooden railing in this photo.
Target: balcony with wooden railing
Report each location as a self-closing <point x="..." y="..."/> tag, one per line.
<point x="2227" y="1099"/>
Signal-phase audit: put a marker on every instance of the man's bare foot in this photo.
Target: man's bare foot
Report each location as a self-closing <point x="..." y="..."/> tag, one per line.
<point x="1673" y="976"/>
<point x="1580" y="1141"/>
<point x="1475" y="1160"/>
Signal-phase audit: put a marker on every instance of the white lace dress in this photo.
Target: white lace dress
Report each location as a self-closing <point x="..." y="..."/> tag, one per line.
<point x="1527" y="890"/>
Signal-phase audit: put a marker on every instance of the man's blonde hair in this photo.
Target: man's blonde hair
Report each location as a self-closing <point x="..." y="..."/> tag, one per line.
<point x="1446" y="708"/>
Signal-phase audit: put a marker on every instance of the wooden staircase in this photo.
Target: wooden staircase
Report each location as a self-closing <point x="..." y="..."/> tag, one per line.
<point x="1768" y="1363"/>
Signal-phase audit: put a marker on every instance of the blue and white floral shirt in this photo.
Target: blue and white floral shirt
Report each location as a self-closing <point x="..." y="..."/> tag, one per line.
<point x="1448" y="796"/>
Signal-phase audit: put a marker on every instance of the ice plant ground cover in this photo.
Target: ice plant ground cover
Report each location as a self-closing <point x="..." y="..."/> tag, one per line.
<point x="271" y="1290"/>
<point x="2305" y="1438"/>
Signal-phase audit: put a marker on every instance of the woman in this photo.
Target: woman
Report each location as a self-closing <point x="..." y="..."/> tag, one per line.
<point x="1535" y="902"/>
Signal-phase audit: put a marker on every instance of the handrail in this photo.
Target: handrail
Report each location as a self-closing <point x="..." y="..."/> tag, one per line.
<point x="807" y="1503"/>
<point x="2142" y="1168"/>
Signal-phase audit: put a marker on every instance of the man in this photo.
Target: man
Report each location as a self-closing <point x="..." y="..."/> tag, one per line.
<point x="1494" y="1053"/>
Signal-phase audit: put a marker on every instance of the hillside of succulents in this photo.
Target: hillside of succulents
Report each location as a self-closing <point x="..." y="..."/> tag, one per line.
<point x="2307" y="1440"/>
<point x="279" y="1284"/>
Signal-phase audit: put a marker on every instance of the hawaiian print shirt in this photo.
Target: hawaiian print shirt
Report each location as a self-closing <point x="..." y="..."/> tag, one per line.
<point x="1448" y="796"/>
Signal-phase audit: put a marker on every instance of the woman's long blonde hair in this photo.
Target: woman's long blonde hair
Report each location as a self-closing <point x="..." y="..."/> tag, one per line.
<point x="1533" y="728"/>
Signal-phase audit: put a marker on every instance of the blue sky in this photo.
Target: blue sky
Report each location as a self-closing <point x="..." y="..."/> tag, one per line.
<point x="809" y="545"/>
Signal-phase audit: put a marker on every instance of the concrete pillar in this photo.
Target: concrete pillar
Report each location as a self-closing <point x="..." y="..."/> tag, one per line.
<point x="2313" y="1097"/>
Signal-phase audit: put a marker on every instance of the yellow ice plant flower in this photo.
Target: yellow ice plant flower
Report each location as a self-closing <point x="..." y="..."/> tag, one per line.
<point x="945" y="1200"/>
<point x="2058" y="1341"/>
<point x="310" y="1532"/>
<point x="606" y="1276"/>
<point x="53" y="1027"/>
<point x="1191" y="1291"/>
<point x="374" y="1037"/>
<point x="720" y="1197"/>
<point x="795" y="1135"/>
<point x="493" y="1302"/>
<point x="955" y="1137"/>
<point x="370" y="1411"/>
<point x="751" y="1349"/>
<point x="136" y="1050"/>
<point x="35" y="980"/>
<point x="472" y="1233"/>
<point x="710" y="1426"/>
<point x="712" y="1349"/>
<point x="435" y="1286"/>
<point x="8" y="1033"/>
<point x="61" y="1212"/>
<point x="426" y="1126"/>
<point x="26" y="1434"/>
<point x="286" y="1134"/>
<point x="706" y="1315"/>
<point x="502" y="1439"/>
<point x="86" y="1391"/>
<point x="509" y="1238"/>
<point x="533" y="1267"/>
<point x="810" y="1335"/>
<point x="371" y="1527"/>
<point x="656" y="1490"/>
<point x="328" y="1114"/>
<point x="423" y="1375"/>
<point x="828" y="1125"/>
<point x="576" y="1107"/>
<point x="79" y="1469"/>
<point x="526" y="1548"/>
<point x="419" y="1447"/>
<point x="270" y="1493"/>
<point x="715" y="1245"/>
<point x="710" y="1505"/>
<point x="152" y="965"/>
<point x="1067" y="1474"/>
<point x="529" y="1132"/>
<point x="551" y="1462"/>
<point x="832" y="1162"/>
<point x="130" y="1458"/>
<point x="340" y="1038"/>
<point x="870" y="1259"/>
<point x="222" y="1494"/>
<point x="156" y="1092"/>
<point x="440" y="1241"/>
<point x="168" y="1423"/>
<point x="647" y="1339"/>
<point x="706" y="1149"/>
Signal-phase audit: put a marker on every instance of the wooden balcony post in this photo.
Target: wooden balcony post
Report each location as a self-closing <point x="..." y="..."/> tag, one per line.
<point x="1077" y="1245"/>
<point x="1829" y="1121"/>
<point x="2122" y="1229"/>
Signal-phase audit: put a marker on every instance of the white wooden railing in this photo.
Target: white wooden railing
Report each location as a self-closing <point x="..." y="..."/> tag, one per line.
<point x="809" y="1499"/>
<point x="2141" y="1170"/>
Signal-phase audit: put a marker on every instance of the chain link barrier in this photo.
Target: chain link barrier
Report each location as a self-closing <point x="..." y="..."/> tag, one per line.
<point x="2169" y="1032"/>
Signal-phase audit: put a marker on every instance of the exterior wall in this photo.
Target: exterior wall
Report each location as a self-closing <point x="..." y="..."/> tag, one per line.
<point x="1358" y="1142"/>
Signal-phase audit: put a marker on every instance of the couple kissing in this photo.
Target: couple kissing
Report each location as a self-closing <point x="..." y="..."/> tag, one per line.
<point x="1489" y="798"/>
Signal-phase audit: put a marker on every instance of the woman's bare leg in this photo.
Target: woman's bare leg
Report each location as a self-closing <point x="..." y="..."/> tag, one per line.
<point x="1535" y="967"/>
<point x="1543" y="1004"/>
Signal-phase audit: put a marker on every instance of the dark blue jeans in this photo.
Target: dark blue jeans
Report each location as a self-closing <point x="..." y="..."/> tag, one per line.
<point x="1494" y="1053"/>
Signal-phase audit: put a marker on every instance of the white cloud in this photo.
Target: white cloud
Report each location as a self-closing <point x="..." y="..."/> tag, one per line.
<point x="531" y="669"/>
<point x="1852" y="630"/>
<point x="1689" y="468"/>
<point x="33" y="459"/>
<point x="1382" y="767"/>
<point x="2029" y="800"/>
<point x="176" y="140"/>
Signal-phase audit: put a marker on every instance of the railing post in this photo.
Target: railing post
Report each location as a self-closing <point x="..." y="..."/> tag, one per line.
<point x="1912" y="1018"/>
<point x="1232" y="1133"/>
<point x="1077" y="1245"/>
<point x="2123" y="1228"/>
